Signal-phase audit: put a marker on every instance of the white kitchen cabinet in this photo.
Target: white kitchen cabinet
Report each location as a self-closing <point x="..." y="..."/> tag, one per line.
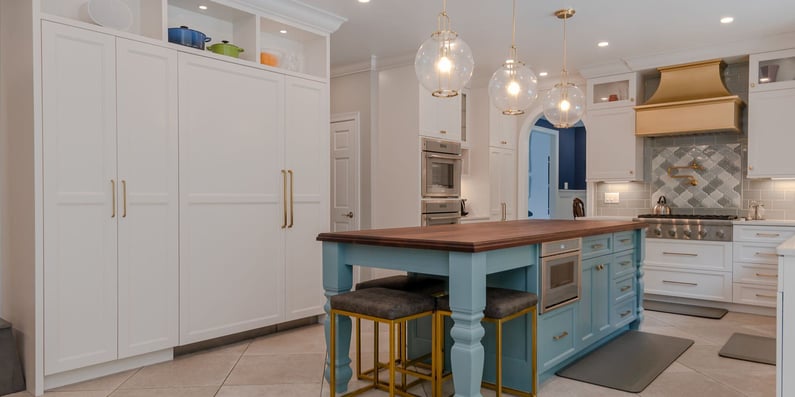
<point x="502" y="171"/>
<point x="307" y="155"/>
<point x="611" y="92"/>
<point x="770" y="71"/>
<point x="770" y="134"/>
<point x="502" y="129"/>
<point x="110" y="197"/>
<point x="254" y="195"/>
<point x="439" y="117"/>
<point x="756" y="262"/>
<point x="232" y="198"/>
<point x="613" y="152"/>
<point x="689" y="269"/>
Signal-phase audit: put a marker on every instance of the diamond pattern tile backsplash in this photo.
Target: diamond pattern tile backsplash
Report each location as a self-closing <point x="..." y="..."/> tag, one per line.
<point x="719" y="182"/>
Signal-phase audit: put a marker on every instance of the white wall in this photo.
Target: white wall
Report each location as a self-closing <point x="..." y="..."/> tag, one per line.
<point x="351" y="93"/>
<point x="475" y="186"/>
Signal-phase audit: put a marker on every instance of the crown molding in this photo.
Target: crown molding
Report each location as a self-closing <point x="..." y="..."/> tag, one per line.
<point x="605" y="69"/>
<point x="374" y="64"/>
<point x="292" y="12"/>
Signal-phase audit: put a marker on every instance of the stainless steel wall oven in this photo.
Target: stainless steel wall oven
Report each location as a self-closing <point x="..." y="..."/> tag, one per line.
<point x="561" y="271"/>
<point x="441" y="168"/>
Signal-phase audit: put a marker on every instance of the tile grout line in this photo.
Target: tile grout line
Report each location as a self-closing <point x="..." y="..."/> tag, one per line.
<point x="718" y="381"/>
<point x="233" y="367"/>
<point x="125" y="381"/>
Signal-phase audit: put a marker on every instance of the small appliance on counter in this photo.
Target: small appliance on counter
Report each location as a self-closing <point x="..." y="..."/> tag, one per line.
<point x="187" y="37"/>
<point x="225" y="48"/>
<point x="662" y="207"/>
<point x="464" y="211"/>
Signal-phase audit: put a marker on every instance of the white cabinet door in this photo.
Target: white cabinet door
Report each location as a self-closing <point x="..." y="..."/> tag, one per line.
<point x="307" y="157"/>
<point x="79" y="152"/>
<point x="439" y="117"/>
<point x="614" y="153"/>
<point x="502" y="129"/>
<point x="771" y="136"/>
<point x="231" y="123"/>
<point x="502" y="170"/>
<point x="148" y="192"/>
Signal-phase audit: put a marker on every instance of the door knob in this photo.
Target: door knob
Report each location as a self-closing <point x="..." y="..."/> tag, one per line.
<point x="349" y="215"/>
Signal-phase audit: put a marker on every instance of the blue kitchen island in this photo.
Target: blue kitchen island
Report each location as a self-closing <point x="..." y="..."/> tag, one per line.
<point x="504" y="254"/>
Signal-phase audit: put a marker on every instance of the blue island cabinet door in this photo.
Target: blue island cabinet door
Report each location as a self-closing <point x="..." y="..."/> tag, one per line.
<point x="556" y="337"/>
<point x="593" y="310"/>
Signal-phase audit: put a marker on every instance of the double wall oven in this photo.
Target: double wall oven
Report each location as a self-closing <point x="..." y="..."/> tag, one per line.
<point x="441" y="182"/>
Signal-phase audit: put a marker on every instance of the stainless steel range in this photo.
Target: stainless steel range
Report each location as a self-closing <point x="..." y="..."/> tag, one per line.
<point x="689" y="227"/>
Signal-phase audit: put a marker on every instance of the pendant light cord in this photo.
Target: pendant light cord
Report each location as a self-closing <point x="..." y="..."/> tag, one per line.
<point x="443" y="22"/>
<point x="513" y="34"/>
<point x="565" y="72"/>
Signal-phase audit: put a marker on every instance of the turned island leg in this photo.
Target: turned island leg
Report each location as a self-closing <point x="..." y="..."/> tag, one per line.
<point x="467" y="301"/>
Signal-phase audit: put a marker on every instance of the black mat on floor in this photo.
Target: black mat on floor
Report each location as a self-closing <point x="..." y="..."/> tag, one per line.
<point x="628" y="363"/>
<point x="760" y="349"/>
<point x="687" y="310"/>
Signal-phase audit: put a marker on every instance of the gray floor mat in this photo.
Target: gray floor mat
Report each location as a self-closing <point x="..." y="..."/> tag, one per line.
<point x="760" y="349"/>
<point x="628" y="363"/>
<point x="687" y="310"/>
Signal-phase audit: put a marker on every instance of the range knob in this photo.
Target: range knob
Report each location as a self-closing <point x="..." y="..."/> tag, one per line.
<point x="672" y="232"/>
<point x="686" y="233"/>
<point x="702" y="233"/>
<point x="720" y="234"/>
<point x="658" y="232"/>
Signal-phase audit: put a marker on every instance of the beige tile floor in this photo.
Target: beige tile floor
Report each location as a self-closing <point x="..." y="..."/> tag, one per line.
<point x="290" y="363"/>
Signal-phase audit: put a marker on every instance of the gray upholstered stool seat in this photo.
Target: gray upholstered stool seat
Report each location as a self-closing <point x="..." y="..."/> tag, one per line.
<point x="390" y="306"/>
<point x="500" y="302"/>
<point x="11" y="378"/>
<point x="502" y="305"/>
<point x="414" y="283"/>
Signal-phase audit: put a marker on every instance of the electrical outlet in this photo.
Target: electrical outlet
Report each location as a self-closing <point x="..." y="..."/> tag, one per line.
<point x="612" y="198"/>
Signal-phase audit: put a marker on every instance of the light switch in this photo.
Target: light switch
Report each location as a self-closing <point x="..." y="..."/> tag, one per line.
<point x="611" y="198"/>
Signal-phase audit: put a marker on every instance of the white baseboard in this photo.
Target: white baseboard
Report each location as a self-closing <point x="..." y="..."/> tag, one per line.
<point x="104" y="369"/>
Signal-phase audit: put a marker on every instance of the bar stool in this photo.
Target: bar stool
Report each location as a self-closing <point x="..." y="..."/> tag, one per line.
<point x="413" y="283"/>
<point x="391" y="307"/>
<point x="502" y="305"/>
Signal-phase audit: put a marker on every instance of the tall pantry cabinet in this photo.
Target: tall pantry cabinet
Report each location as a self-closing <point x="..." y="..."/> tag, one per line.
<point x="110" y="197"/>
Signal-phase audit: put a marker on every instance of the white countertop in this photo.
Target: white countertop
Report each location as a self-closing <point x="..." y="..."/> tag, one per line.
<point x="787" y="248"/>
<point x="767" y="222"/>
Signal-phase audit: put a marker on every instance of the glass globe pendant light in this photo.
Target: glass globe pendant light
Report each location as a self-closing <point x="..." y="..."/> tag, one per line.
<point x="512" y="87"/>
<point x="565" y="103"/>
<point x="444" y="62"/>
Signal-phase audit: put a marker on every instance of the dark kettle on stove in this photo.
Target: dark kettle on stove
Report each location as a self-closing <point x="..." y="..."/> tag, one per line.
<point x="661" y="208"/>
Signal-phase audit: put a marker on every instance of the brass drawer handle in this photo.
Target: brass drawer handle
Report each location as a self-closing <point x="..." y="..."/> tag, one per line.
<point x="597" y="246"/>
<point x="624" y="263"/>
<point x="767" y="275"/>
<point x="625" y="240"/>
<point x="599" y="267"/>
<point x="561" y="336"/>
<point x="626" y="313"/>
<point x="284" y="196"/>
<point x="292" y="200"/>
<point x="443" y="131"/>
<point x="124" y="198"/>
<point x="626" y="288"/>
<point x="768" y="235"/>
<point x="504" y="142"/>
<point x="766" y="296"/>
<point x="678" y="282"/>
<point x="679" y="253"/>
<point x="765" y="254"/>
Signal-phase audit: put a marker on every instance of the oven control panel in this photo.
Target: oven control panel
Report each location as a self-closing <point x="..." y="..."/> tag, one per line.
<point x="695" y="231"/>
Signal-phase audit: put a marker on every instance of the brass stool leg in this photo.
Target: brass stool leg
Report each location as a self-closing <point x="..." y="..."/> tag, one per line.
<point x="391" y="359"/>
<point x="534" y="322"/>
<point x="332" y="354"/>
<point x="359" y="373"/>
<point x="499" y="358"/>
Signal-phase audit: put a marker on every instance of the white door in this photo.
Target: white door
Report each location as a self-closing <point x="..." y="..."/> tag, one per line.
<point x="231" y="211"/>
<point x="770" y="138"/>
<point x="307" y="159"/>
<point x="149" y="220"/>
<point x="79" y="152"/>
<point x="344" y="170"/>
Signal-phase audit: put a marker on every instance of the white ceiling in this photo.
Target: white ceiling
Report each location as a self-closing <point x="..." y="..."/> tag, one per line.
<point x="395" y="28"/>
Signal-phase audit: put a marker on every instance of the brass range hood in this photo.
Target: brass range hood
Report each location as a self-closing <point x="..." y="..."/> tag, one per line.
<point x="691" y="99"/>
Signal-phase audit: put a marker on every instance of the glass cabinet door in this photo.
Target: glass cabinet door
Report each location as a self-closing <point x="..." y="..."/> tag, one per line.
<point x="612" y="91"/>
<point x="772" y="71"/>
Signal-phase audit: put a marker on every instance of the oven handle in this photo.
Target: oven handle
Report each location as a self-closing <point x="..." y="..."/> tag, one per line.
<point x="443" y="156"/>
<point x="445" y="217"/>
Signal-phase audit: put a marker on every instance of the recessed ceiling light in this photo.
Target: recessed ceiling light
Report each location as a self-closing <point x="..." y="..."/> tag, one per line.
<point x="202" y="7"/>
<point x="603" y="44"/>
<point x="726" y="20"/>
<point x="364" y="1"/>
<point x="283" y="31"/>
<point x="543" y="74"/>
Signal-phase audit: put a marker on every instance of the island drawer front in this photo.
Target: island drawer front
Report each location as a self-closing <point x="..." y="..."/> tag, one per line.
<point x="763" y="234"/>
<point x="756" y="253"/>
<point x="623" y="313"/>
<point x="623" y="241"/>
<point x="556" y="247"/>
<point x="758" y="295"/>
<point x="597" y="245"/>
<point x="623" y="264"/>
<point x="556" y="336"/>
<point x="704" y="255"/>
<point x="623" y="288"/>
<point x="708" y="285"/>
<point x="756" y="273"/>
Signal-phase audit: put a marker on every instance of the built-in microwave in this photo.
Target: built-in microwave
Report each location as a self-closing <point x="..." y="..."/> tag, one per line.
<point x="441" y="168"/>
<point x="561" y="283"/>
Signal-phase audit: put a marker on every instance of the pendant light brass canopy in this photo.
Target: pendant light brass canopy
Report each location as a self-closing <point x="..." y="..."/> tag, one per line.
<point x="444" y="63"/>
<point x="564" y="104"/>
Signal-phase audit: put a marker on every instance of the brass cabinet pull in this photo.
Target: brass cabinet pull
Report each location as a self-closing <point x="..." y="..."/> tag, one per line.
<point x="766" y="296"/>
<point x="124" y="198"/>
<point x="624" y="263"/>
<point x="597" y="246"/>
<point x="767" y="275"/>
<point x="625" y="240"/>
<point x="561" y="336"/>
<point x="679" y="253"/>
<point x="767" y="235"/>
<point x="765" y="254"/>
<point x="292" y="201"/>
<point x="678" y="282"/>
<point x="504" y="142"/>
<point x="443" y="131"/>
<point x="626" y="288"/>
<point x="113" y="204"/>
<point x="626" y="313"/>
<point x="284" y="190"/>
<point x="504" y="208"/>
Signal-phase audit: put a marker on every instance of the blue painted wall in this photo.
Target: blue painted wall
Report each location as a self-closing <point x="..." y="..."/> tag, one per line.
<point x="571" y="160"/>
